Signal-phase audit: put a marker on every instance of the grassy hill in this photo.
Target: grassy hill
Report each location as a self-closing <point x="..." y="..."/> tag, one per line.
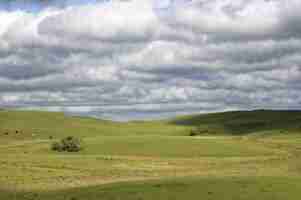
<point x="245" y="122"/>
<point x="237" y="155"/>
<point x="31" y="124"/>
<point x="45" y="124"/>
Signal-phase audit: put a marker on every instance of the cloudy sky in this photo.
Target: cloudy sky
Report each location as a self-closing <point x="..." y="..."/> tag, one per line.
<point x="133" y="59"/>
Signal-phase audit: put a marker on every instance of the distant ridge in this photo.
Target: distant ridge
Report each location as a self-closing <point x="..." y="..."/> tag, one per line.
<point x="45" y="124"/>
<point x="245" y="122"/>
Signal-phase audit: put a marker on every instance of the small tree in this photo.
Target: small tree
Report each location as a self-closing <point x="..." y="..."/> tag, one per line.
<point x="56" y="146"/>
<point x="198" y="131"/>
<point x="68" y="144"/>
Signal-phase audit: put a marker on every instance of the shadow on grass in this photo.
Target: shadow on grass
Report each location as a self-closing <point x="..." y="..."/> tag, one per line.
<point x="243" y="122"/>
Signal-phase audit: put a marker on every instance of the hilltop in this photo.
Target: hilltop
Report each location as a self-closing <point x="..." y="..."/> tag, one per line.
<point x="245" y="122"/>
<point x="45" y="124"/>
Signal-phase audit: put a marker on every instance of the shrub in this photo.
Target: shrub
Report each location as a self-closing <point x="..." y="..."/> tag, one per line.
<point x="193" y="132"/>
<point x="68" y="144"/>
<point x="197" y="131"/>
<point x="56" y="146"/>
<point x="71" y="144"/>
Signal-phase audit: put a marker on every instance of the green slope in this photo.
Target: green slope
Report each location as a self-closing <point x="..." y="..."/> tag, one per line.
<point x="223" y="165"/>
<point x="244" y="188"/>
<point x="244" y="122"/>
<point x="34" y="124"/>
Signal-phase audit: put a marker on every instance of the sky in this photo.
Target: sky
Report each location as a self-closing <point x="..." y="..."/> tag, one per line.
<point x="146" y="59"/>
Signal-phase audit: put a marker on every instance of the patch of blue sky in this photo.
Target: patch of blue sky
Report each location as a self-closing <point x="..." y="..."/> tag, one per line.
<point x="166" y="7"/>
<point x="38" y="5"/>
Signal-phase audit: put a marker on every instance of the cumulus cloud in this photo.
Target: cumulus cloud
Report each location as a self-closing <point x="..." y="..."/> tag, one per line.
<point x="140" y="58"/>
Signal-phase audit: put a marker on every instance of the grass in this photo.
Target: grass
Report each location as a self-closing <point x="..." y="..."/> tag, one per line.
<point x="178" y="146"/>
<point x="243" y="155"/>
<point x="245" y="122"/>
<point x="35" y="124"/>
<point x="243" y="188"/>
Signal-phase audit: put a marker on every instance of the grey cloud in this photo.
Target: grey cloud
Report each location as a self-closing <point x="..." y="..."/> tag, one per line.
<point x="138" y="61"/>
<point x="20" y="72"/>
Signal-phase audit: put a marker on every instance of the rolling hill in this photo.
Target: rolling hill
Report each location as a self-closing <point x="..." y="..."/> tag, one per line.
<point x="236" y="155"/>
<point x="44" y="124"/>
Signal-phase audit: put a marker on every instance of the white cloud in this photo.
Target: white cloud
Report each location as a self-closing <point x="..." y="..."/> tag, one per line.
<point x="212" y="55"/>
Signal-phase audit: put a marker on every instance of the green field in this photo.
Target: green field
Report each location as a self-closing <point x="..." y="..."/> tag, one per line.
<point x="237" y="155"/>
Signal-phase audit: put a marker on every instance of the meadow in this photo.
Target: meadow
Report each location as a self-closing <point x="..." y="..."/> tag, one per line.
<point x="235" y="155"/>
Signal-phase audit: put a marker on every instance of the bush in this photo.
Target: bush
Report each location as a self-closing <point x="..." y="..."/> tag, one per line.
<point x="56" y="146"/>
<point x="68" y="144"/>
<point x="198" y="131"/>
<point x="193" y="132"/>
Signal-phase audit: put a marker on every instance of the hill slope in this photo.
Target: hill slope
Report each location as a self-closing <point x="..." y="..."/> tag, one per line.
<point x="268" y="188"/>
<point x="244" y="122"/>
<point x="29" y="124"/>
<point x="45" y="124"/>
<point x="221" y="164"/>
